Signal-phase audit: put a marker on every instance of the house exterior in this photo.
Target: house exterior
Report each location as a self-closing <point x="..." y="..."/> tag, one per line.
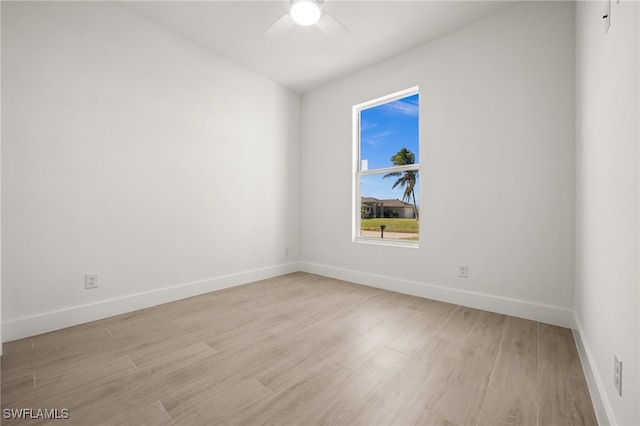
<point x="373" y="208"/>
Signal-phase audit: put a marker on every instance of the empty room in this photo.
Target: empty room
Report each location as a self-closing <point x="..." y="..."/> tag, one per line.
<point x="320" y="212"/>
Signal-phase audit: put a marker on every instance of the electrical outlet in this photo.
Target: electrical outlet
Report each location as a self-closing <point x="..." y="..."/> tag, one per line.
<point x="286" y="251"/>
<point x="463" y="271"/>
<point x="617" y="374"/>
<point x="90" y="281"/>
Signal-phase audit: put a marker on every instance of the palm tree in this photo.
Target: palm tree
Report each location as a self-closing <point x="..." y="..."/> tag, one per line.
<point x="407" y="178"/>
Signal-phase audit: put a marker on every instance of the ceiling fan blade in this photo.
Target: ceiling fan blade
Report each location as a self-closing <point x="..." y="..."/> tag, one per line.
<point x="331" y="26"/>
<point x="280" y="27"/>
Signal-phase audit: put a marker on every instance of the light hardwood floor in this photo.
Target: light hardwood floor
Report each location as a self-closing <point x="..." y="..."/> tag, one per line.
<point x="301" y="349"/>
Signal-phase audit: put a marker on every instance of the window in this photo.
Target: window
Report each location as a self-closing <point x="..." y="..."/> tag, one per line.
<point x="386" y="170"/>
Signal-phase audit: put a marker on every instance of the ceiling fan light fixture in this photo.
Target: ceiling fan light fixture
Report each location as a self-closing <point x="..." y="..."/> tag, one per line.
<point x="305" y="12"/>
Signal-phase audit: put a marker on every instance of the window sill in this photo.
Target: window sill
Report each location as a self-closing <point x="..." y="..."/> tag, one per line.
<point x="387" y="242"/>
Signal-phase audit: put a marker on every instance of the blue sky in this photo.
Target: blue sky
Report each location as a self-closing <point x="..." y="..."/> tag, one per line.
<point x="384" y="130"/>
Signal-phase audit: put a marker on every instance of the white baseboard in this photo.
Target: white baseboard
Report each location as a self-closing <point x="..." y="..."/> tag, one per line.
<point x="601" y="404"/>
<point x="518" y="308"/>
<point x="50" y="321"/>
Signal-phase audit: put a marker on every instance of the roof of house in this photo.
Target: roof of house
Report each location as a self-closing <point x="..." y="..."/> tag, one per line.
<point x="385" y="203"/>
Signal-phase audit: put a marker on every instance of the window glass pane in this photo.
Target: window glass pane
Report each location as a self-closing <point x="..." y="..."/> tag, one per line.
<point x="385" y="130"/>
<point x="393" y="208"/>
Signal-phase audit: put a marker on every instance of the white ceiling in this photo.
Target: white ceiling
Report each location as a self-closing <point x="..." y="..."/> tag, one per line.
<point x="304" y="58"/>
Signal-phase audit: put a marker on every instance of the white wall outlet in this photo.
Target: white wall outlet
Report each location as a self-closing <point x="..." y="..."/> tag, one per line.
<point x="286" y="251"/>
<point x="617" y="374"/>
<point x="90" y="281"/>
<point x="463" y="271"/>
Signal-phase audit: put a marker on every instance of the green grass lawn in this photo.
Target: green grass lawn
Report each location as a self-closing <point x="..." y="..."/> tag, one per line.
<point x="393" y="225"/>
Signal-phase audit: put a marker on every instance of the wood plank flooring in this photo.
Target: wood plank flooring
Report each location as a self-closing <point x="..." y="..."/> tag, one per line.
<point x="301" y="349"/>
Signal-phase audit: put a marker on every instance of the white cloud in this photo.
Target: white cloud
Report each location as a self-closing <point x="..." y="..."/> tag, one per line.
<point x="367" y="125"/>
<point x="402" y="107"/>
<point x="377" y="139"/>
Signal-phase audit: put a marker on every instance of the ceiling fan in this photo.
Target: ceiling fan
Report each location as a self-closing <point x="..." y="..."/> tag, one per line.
<point x="307" y="13"/>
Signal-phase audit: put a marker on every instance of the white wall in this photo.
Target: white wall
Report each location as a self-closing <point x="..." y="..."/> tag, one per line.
<point x="497" y="171"/>
<point x="130" y="152"/>
<point x="607" y="201"/>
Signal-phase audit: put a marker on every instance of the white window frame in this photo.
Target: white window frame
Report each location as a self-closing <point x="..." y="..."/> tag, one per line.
<point x="358" y="174"/>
